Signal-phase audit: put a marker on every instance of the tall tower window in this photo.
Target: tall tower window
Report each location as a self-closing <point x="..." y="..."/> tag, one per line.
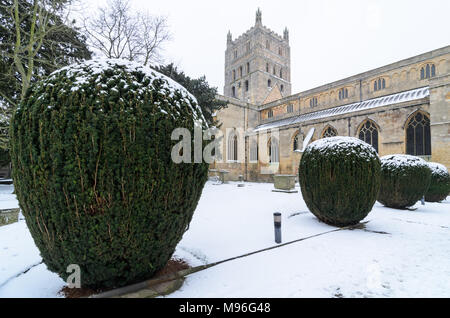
<point x="267" y="67"/>
<point x="247" y="47"/>
<point x="281" y="73"/>
<point x="246" y="86"/>
<point x="269" y="83"/>
<point x="267" y="44"/>
<point x="280" y="51"/>
<point x="240" y="71"/>
<point x="235" y="54"/>
<point x="233" y="91"/>
<point x="234" y="75"/>
<point x="282" y="87"/>
<point x="248" y="67"/>
<point x="274" y="70"/>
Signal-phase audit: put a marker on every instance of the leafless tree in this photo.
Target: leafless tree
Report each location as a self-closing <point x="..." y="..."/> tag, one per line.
<point x="119" y="32"/>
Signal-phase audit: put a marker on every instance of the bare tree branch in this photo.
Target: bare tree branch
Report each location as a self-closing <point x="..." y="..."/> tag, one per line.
<point x="117" y="32"/>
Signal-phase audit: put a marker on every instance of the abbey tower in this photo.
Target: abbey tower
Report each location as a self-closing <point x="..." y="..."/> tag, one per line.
<point x="257" y="63"/>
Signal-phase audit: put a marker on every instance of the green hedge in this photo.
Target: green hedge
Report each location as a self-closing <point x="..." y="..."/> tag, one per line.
<point x="91" y="155"/>
<point x="404" y="180"/>
<point x="440" y="183"/>
<point x="339" y="179"/>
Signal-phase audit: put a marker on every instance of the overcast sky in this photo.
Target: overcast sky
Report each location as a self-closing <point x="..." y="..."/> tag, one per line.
<point x="329" y="39"/>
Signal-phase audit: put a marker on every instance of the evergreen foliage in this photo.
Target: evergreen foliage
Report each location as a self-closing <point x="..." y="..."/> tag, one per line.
<point x="339" y="179"/>
<point x="51" y="45"/>
<point x="206" y="95"/>
<point x="440" y="183"/>
<point x="91" y="154"/>
<point x="404" y="180"/>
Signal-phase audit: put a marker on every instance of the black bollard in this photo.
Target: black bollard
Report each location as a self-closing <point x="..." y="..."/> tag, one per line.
<point x="277" y="223"/>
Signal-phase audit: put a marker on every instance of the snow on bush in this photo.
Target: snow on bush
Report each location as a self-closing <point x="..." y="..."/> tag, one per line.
<point x="91" y="153"/>
<point x="340" y="179"/>
<point x="440" y="183"/>
<point x="404" y="180"/>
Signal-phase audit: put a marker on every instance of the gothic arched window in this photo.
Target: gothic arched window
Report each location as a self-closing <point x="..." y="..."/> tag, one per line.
<point x="418" y="135"/>
<point x="329" y="132"/>
<point x="269" y="83"/>
<point x="253" y="150"/>
<point x="296" y="142"/>
<point x="368" y="132"/>
<point x="233" y="91"/>
<point x="274" y="155"/>
<point x="233" y="148"/>
<point x="246" y="86"/>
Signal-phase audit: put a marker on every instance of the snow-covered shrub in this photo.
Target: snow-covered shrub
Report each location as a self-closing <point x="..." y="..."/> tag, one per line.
<point x="339" y="179"/>
<point x="404" y="180"/>
<point x="91" y="153"/>
<point x="440" y="183"/>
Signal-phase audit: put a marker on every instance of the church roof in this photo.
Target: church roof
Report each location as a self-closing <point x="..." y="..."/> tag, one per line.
<point x="397" y="98"/>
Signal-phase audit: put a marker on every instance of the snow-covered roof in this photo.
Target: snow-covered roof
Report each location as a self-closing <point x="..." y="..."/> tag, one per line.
<point x="397" y="98"/>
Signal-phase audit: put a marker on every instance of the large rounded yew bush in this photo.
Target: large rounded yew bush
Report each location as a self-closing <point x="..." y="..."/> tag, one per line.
<point x="404" y="180"/>
<point x="91" y="154"/>
<point x="340" y="179"/>
<point x="440" y="183"/>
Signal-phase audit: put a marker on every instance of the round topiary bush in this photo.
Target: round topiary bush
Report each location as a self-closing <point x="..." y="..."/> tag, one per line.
<point x="91" y="153"/>
<point x="339" y="179"/>
<point x="404" y="180"/>
<point x="440" y="183"/>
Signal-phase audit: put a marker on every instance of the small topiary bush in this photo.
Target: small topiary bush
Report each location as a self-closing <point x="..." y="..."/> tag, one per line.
<point x="339" y="179"/>
<point x="91" y="153"/>
<point x="440" y="183"/>
<point x="404" y="180"/>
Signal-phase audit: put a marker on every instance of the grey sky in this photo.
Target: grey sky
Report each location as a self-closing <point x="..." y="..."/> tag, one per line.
<point x="329" y="39"/>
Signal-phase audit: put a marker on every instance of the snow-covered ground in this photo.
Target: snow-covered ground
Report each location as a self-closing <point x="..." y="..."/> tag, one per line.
<point x="398" y="253"/>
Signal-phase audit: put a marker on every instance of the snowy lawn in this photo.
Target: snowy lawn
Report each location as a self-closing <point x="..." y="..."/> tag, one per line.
<point x="411" y="260"/>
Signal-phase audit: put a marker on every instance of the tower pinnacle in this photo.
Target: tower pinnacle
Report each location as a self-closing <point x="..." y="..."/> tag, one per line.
<point x="258" y="17"/>
<point x="286" y="34"/>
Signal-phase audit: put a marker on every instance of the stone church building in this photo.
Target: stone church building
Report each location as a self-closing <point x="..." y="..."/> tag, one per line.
<point x="400" y="108"/>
